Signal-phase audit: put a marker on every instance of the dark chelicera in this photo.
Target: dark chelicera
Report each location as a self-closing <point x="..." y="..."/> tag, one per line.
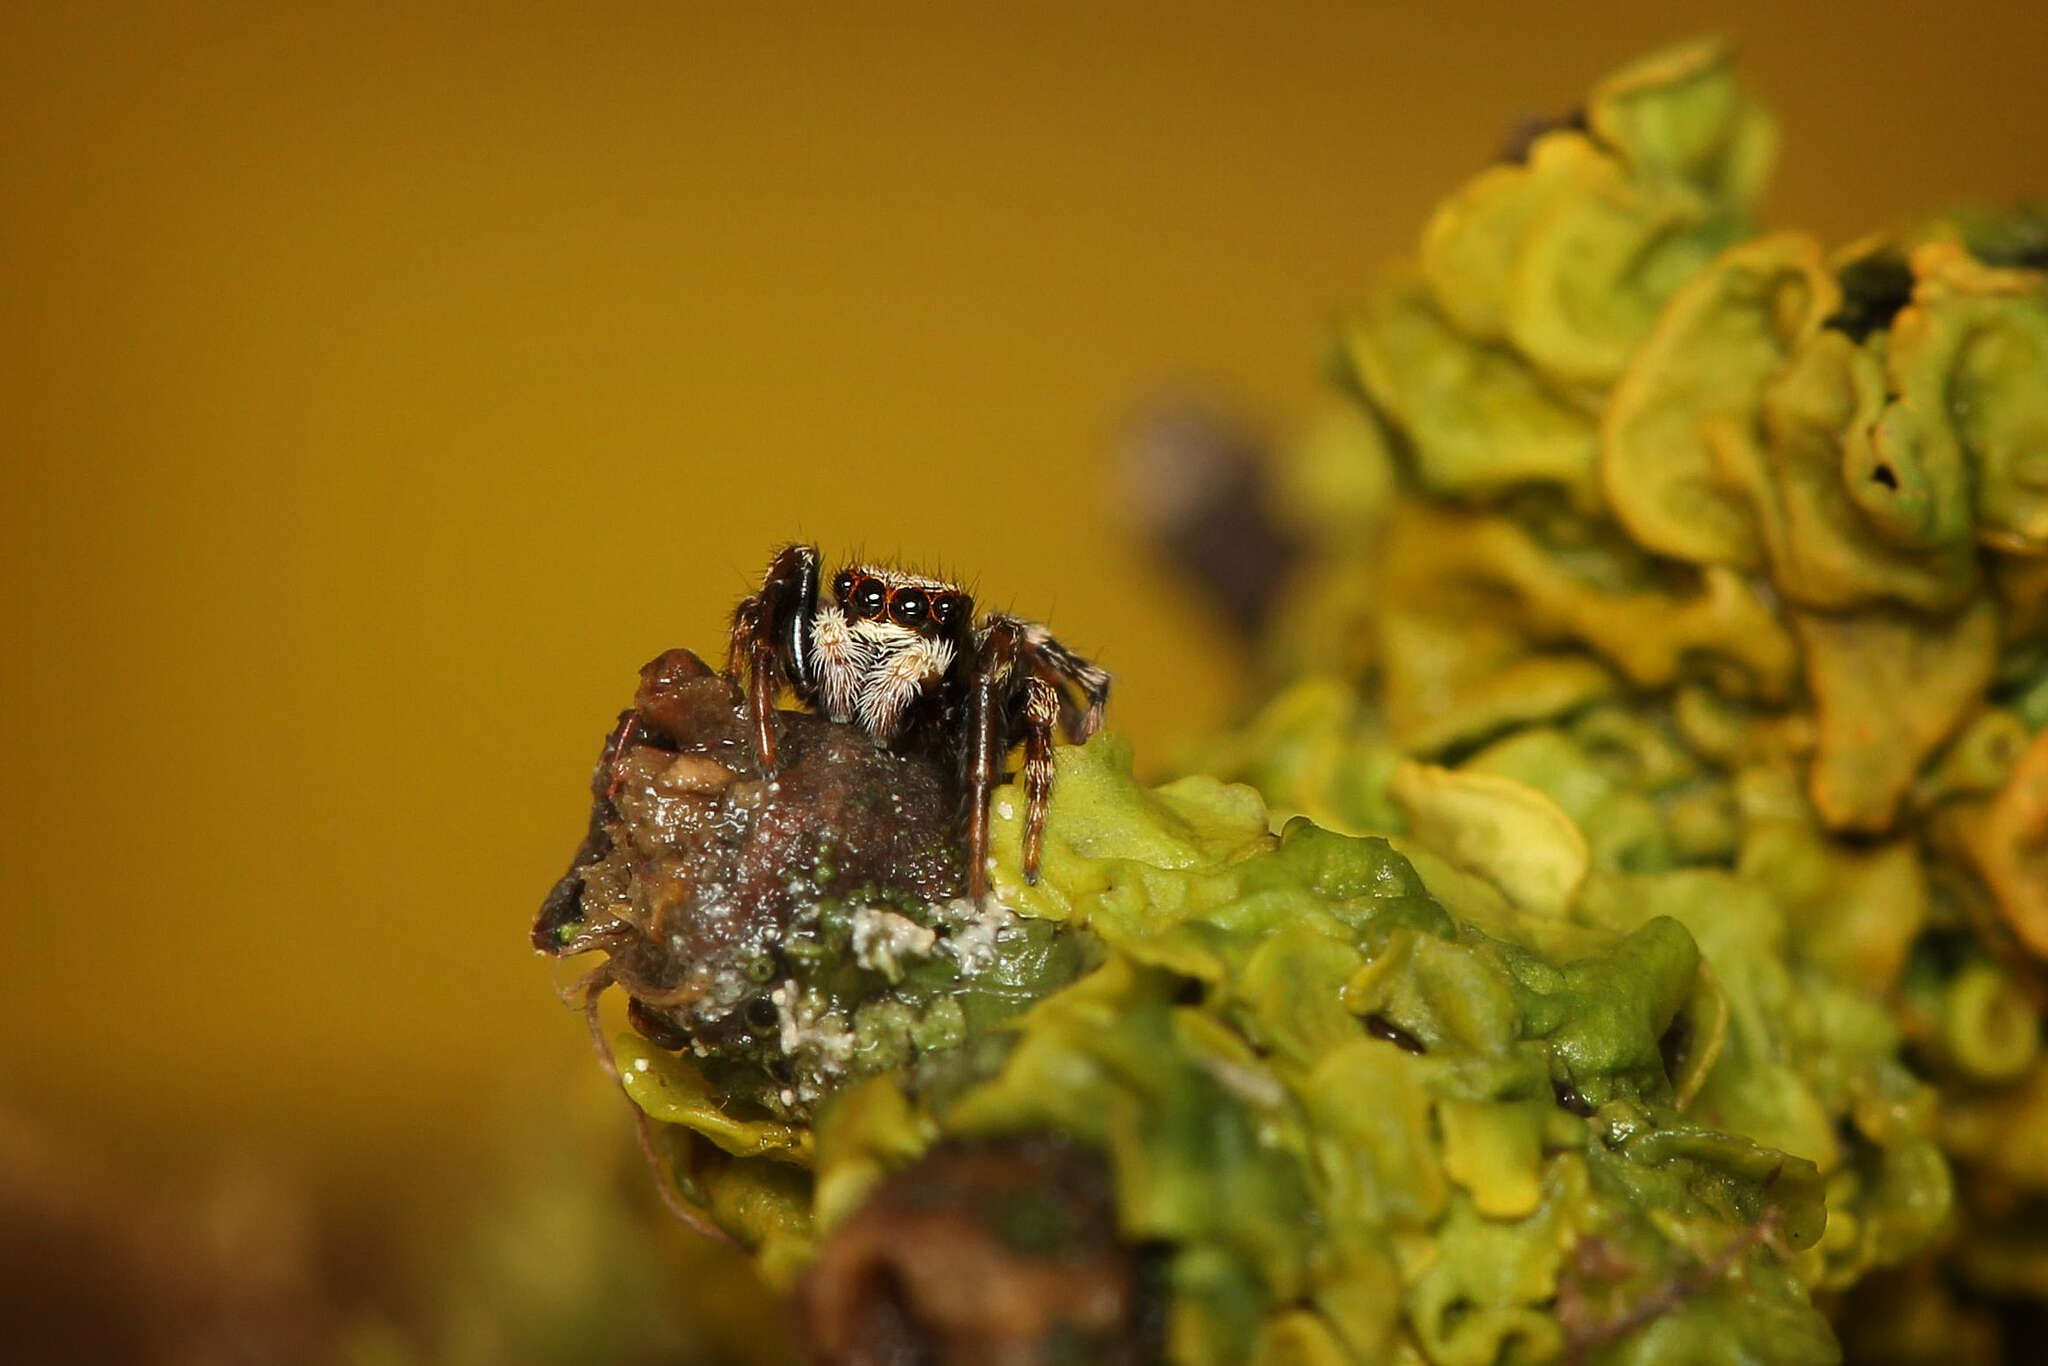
<point x="903" y="658"/>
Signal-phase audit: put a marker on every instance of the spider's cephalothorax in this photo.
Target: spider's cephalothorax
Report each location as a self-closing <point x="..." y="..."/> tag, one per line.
<point x="904" y="658"/>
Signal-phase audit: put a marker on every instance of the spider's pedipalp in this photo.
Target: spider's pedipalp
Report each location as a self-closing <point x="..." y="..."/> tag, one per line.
<point x="901" y="666"/>
<point x="841" y="659"/>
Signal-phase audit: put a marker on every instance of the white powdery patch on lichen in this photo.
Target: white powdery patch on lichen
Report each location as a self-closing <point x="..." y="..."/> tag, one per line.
<point x="975" y="929"/>
<point x="814" y="1037"/>
<point x="883" y="939"/>
<point x="821" y="1040"/>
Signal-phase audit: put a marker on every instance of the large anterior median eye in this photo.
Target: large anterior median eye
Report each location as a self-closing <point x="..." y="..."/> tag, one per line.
<point x="869" y="598"/>
<point x="909" y="607"/>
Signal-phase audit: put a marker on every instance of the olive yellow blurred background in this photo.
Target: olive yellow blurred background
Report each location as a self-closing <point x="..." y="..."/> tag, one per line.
<point x="380" y="385"/>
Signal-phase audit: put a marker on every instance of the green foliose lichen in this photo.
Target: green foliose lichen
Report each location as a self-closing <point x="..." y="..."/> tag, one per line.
<point x="1622" y="919"/>
<point x="1369" y="1129"/>
<point x="1742" y="564"/>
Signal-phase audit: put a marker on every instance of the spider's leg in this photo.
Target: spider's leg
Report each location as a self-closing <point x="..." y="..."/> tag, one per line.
<point x="1041" y="711"/>
<point x="987" y="742"/>
<point x="746" y="624"/>
<point x="1069" y="670"/>
<point x="793" y="587"/>
<point x="771" y="640"/>
<point x="752" y="656"/>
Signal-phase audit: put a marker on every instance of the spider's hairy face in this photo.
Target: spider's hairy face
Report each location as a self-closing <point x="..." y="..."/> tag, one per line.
<point x="883" y="639"/>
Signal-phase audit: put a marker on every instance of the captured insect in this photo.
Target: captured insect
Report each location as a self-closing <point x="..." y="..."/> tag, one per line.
<point x="904" y="658"/>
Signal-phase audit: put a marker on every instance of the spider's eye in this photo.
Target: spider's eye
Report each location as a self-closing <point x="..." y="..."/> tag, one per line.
<point x="947" y="608"/>
<point x="842" y="584"/>
<point x="869" y="597"/>
<point x="909" y="607"/>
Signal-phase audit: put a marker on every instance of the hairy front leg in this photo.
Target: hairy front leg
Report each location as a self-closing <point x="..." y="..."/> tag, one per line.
<point x="1041" y="713"/>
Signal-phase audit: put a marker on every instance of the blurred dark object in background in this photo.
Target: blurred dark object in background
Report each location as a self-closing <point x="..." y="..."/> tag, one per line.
<point x="101" y="1264"/>
<point x="1195" y="476"/>
<point x="996" y="1253"/>
<point x="552" y="1252"/>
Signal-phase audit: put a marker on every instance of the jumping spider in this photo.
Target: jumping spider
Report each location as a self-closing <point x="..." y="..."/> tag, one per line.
<point x="903" y="658"/>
